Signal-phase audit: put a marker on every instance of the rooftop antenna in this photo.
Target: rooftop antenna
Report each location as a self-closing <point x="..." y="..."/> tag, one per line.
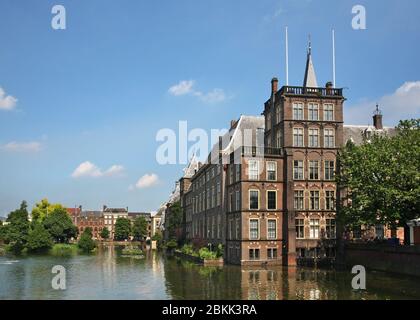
<point x="333" y="55"/>
<point x="287" y="58"/>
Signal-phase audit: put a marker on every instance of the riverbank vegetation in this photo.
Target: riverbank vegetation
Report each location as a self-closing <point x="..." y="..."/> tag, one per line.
<point x="202" y="253"/>
<point x="50" y="230"/>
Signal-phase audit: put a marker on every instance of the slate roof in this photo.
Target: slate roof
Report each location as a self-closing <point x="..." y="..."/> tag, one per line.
<point x="357" y="133"/>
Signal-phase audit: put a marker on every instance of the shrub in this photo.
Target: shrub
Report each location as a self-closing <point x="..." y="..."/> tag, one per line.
<point x="206" y="254"/>
<point x="39" y="239"/>
<point x="86" y="243"/>
<point x="132" y="251"/>
<point x="171" y="244"/>
<point x="62" y="249"/>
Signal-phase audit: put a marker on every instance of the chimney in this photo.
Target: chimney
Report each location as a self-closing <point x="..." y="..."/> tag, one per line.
<point x="377" y="118"/>
<point x="274" y="85"/>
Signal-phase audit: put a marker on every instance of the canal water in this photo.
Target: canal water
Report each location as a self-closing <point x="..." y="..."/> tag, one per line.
<point x="109" y="275"/>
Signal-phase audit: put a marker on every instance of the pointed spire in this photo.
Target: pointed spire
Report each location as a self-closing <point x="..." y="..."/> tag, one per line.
<point x="310" y="76"/>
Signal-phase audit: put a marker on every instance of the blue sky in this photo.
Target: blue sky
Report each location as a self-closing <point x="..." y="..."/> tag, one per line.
<point x="98" y="92"/>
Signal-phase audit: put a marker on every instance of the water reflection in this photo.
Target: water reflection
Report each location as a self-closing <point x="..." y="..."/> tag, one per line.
<point x="108" y="275"/>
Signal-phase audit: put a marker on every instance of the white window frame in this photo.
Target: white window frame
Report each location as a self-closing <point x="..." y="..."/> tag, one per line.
<point x="266" y="198"/>
<point x="253" y="169"/>
<point x="258" y="228"/>
<point x="327" y="106"/>
<point x="275" y="229"/>
<point x="249" y="198"/>
<point x="268" y="163"/>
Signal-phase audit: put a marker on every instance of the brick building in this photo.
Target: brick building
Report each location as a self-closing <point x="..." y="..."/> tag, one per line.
<point x="87" y="219"/>
<point x="267" y="191"/>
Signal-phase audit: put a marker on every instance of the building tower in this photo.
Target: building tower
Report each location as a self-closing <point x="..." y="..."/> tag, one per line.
<point x="306" y="123"/>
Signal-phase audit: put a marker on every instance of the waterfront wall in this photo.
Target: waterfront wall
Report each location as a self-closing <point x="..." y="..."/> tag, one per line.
<point x="396" y="259"/>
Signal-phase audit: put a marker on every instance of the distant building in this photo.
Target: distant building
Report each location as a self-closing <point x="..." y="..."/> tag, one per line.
<point x="111" y="215"/>
<point x="156" y="222"/>
<point x="87" y="219"/>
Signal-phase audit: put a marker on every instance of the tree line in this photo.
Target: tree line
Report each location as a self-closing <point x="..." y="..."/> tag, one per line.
<point x="380" y="179"/>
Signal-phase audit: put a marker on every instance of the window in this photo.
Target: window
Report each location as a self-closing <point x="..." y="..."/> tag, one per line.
<point x="271" y="229"/>
<point x="314" y="228"/>
<point x="213" y="197"/>
<point x="213" y="227"/>
<point x="218" y="194"/>
<point x="298" y="170"/>
<point x="297" y="111"/>
<point x="313" y="112"/>
<point x="254" y="199"/>
<point x="328" y="112"/>
<point x="238" y="172"/>
<point x="329" y="138"/>
<point x="313" y="137"/>
<point x="330" y="228"/>
<point x="237" y="225"/>
<point x="219" y="168"/>
<point x="278" y="114"/>
<point x="271" y="253"/>
<point x="278" y="138"/>
<point x="299" y="200"/>
<point x="253" y="170"/>
<point x="238" y="201"/>
<point x="314" y="200"/>
<point x="268" y="121"/>
<point x="298" y="137"/>
<point x="219" y="226"/>
<point x="230" y="229"/>
<point x="329" y="200"/>
<point x="329" y="170"/>
<point x="300" y="228"/>
<point x="271" y="200"/>
<point x="254" y="254"/>
<point x="231" y="168"/>
<point x="231" y="203"/>
<point x="254" y="229"/>
<point x="208" y="199"/>
<point x="271" y="170"/>
<point x="313" y="169"/>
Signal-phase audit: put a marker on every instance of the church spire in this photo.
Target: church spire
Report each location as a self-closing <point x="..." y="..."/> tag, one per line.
<point x="310" y="77"/>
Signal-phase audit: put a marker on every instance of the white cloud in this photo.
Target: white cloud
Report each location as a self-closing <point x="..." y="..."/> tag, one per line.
<point x="216" y="95"/>
<point x="6" y="102"/>
<point x="182" y="88"/>
<point x="88" y="169"/>
<point x="114" y="170"/>
<point x="14" y="146"/>
<point x="404" y="103"/>
<point x="185" y="87"/>
<point x="147" y="181"/>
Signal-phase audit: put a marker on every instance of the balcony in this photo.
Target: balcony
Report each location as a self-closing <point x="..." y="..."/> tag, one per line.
<point x="253" y="151"/>
<point x="319" y="92"/>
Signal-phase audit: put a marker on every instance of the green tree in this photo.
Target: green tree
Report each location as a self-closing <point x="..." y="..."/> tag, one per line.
<point x="58" y="223"/>
<point x="104" y="233"/>
<point x="18" y="228"/>
<point x="122" y="229"/>
<point x="86" y="243"/>
<point x="139" y="229"/>
<point x="39" y="239"/>
<point x="43" y="208"/>
<point x="175" y="220"/>
<point x="381" y="179"/>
